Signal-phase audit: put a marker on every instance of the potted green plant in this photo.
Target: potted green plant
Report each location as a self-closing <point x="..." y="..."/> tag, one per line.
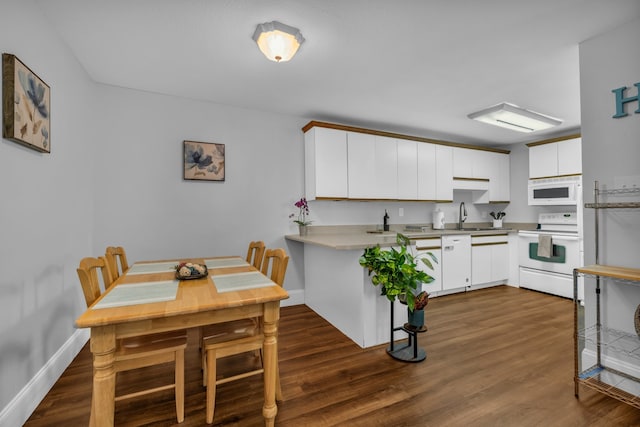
<point x="397" y="273"/>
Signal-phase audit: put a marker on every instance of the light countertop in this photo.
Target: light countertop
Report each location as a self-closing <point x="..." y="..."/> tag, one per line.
<point x="357" y="237"/>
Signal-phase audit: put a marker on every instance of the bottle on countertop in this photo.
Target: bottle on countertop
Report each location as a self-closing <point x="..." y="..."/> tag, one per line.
<point x="385" y="221"/>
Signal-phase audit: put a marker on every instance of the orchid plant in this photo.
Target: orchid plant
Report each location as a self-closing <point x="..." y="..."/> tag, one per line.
<point x="303" y="212"/>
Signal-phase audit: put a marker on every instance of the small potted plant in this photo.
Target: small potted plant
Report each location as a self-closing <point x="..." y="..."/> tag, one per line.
<point x="397" y="274"/>
<point x="301" y="216"/>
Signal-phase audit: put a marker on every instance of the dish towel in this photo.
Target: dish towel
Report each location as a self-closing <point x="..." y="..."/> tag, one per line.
<point x="545" y="246"/>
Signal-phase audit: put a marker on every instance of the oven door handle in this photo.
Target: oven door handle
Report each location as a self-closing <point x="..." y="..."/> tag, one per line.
<point x="554" y="237"/>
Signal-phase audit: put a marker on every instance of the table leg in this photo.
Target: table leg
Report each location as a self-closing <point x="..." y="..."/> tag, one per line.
<point x="103" y="347"/>
<point x="271" y="317"/>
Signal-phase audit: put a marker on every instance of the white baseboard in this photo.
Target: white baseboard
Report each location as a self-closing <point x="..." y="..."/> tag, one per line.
<point x="296" y="297"/>
<point x="27" y="400"/>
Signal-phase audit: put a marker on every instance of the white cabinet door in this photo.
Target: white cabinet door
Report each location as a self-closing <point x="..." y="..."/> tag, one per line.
<point x="480" y="264"/>
<point x="372" y="166"/>
<point x="435" y="172"/>
<point x="361" y="159"/>
<point x="444" y="173"/>
<point x="483" y="164"/>
<point x="500" y="262"/>
<point x="489" y="259"/>
<point x="427" y="171"/>
<point x="407" y="169"/>
<point x="498" y="177"/>
<point x="385" y="183"/>
<point x="463" y="159"/>
<point x="325" y="163"/>
<point x="503" y="187"/>
<point x="570" y="156"/>
<point x="543" y="160"/>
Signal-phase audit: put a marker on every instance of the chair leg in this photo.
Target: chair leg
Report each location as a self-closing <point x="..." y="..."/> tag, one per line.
<point x="179" y="389"/>
<point x="203" y="366"/>
<point x="211" y="384"/>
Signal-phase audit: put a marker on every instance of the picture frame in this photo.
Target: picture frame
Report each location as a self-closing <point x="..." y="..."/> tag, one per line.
<point x="204" y="161"/>
<point x="26" y="105"/>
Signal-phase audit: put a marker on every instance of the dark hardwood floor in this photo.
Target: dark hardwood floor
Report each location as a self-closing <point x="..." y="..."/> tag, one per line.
<point x="495" y="357"/>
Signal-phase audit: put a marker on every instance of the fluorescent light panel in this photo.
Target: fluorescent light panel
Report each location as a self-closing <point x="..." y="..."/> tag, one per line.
<point x="512" y="117"/>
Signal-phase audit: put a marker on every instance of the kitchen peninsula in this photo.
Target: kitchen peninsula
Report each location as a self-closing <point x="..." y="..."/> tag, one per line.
<point x="340" y="290"/>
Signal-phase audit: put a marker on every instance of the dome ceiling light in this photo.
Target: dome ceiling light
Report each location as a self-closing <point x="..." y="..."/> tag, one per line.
<point x="277" y="41"/>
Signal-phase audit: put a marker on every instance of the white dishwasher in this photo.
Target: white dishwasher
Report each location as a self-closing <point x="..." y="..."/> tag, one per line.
<point x="456" y="261"/>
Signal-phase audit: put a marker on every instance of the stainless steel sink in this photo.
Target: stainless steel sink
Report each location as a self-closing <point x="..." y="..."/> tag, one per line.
<point x="481" y="229"/>
<point x="382" y="233"/>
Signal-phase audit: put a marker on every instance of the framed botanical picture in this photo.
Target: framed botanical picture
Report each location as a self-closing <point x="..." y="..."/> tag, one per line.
<point x="203" y="161"/>
<point x="26" y="105"/>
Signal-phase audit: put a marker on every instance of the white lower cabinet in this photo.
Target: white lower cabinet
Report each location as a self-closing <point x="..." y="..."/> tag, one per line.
<point x="489" y="259"/>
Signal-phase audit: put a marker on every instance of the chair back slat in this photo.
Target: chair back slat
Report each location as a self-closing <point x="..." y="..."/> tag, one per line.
<point x="275" y="265"/>
<point x="255" y="254"/>
<point x="117" y="263"/>
<point x="88" y="275"/>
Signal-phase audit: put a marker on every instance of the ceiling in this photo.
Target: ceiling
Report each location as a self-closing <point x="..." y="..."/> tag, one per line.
<point x="417" y="67"/>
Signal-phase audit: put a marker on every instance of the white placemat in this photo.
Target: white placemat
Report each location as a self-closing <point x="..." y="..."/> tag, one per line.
<point x="241" y="281"/>
<point x="225" y="262"/>
<point x="139" y="293"/>
<point x="153" y="267"/>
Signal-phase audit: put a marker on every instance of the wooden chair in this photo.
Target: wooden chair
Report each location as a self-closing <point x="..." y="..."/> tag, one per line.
<point x="240" y="337"/>
<point x="138" y="352"/>
<point x="255" y="254"/>
<point x="116" y="261"/>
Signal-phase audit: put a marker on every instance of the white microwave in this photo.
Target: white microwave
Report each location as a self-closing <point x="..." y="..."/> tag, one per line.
<point x="566" y="190"/>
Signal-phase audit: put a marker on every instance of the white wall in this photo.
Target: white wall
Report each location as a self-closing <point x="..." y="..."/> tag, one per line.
<point x="46" y="209"/>
<point x="610" y="151"/>
<point x="144" y="204"/>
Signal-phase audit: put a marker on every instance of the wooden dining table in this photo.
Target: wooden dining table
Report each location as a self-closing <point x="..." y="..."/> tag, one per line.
<point x="231" y="290"/>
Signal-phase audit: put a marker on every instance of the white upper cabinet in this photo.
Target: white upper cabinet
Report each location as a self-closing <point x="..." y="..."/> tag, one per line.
<point x="470" y="163"/>
<point x="444" y="173"/>
<point x="427" y="174"/>
<point x="498" y="174"/>
<point x="361" y="164"/>
<point x="407" y="169"/>
<point x="500" y="191"/>
<point x="435" y="172"/>
<point x="463" y="162"/>
<point x="386" y="168"/>
<point x="543" y="160"/>
<point x="372" y="166"/>
<point x="556" y="158"/>
<point x="325" y="163"/>
<point x="570" y="157"/>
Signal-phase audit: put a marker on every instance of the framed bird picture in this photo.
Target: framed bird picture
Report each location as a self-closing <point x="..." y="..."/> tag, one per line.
<point x="203" y="161"/>
<point x="26" y="105"/>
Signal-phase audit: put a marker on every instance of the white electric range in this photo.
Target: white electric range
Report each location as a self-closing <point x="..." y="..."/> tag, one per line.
<point x="551" y="272"/>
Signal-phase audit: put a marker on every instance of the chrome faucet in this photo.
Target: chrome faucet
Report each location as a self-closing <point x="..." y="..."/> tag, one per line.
<point x="463" y="215"/>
